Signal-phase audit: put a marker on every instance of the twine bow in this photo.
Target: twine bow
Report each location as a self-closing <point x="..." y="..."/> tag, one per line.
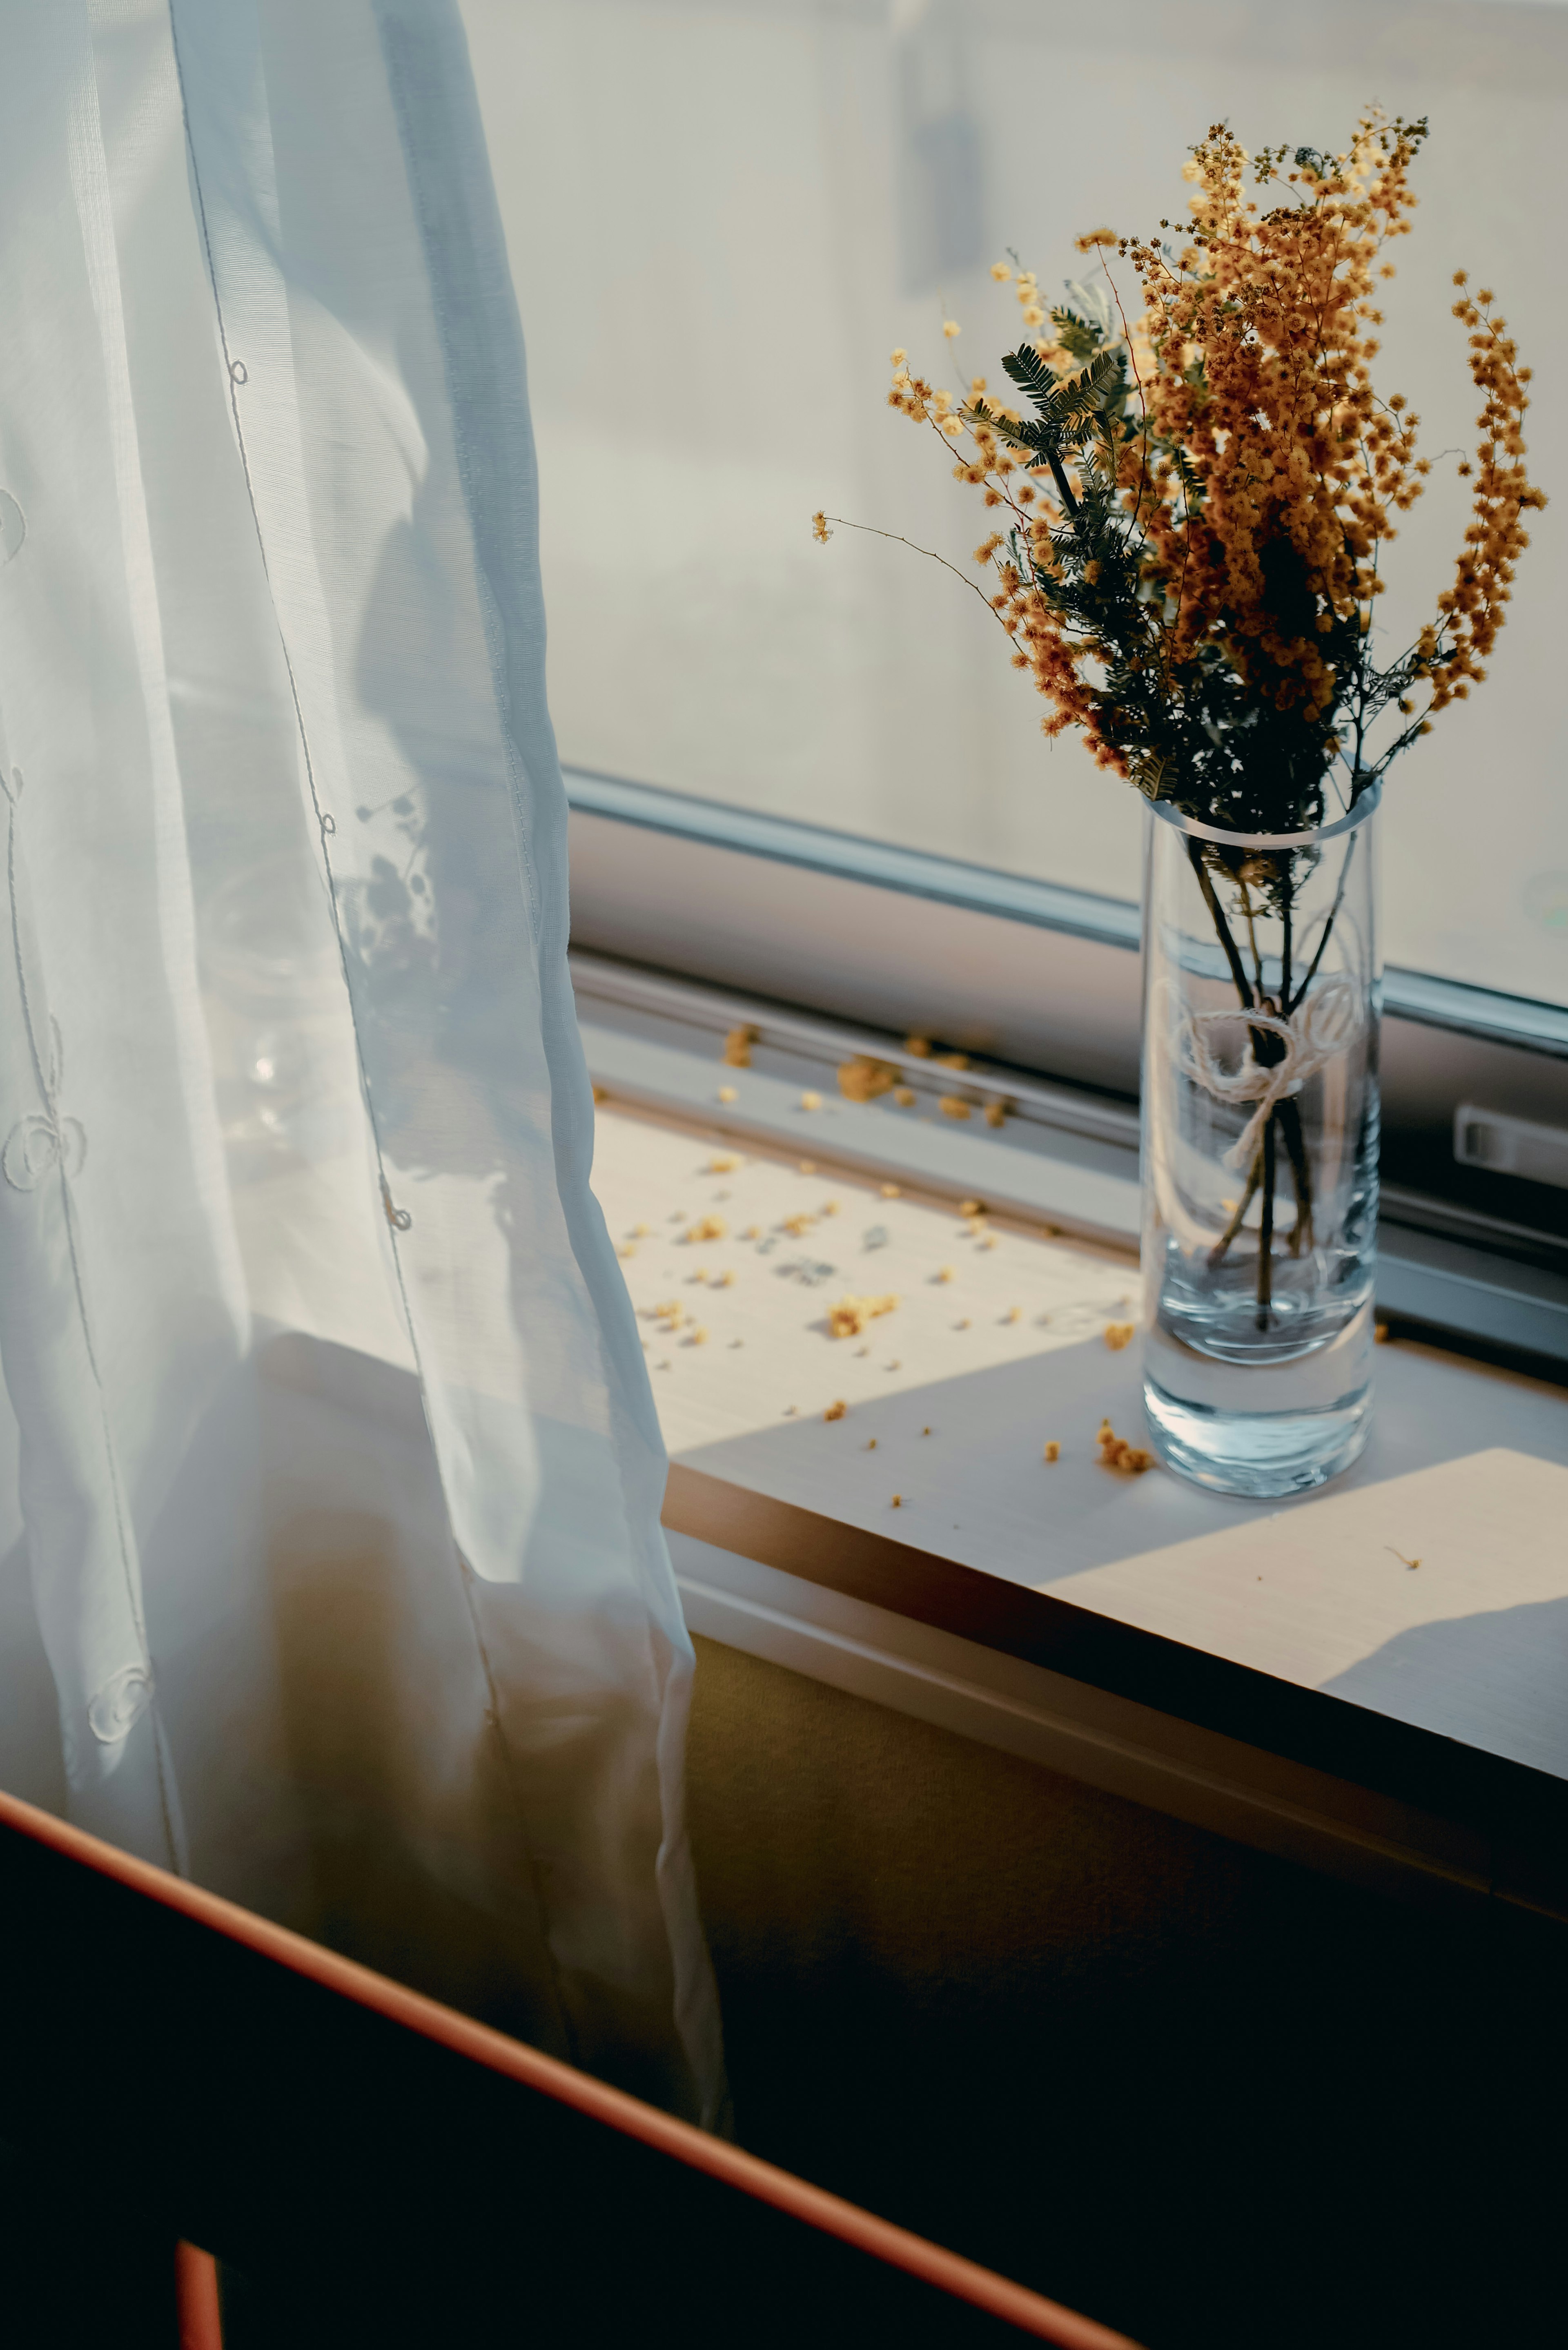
<point x="1314" y="1034"/>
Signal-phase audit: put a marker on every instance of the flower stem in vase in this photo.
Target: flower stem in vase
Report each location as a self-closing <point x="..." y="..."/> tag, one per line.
<point x="1221" y="1248"/>
<point x="1266" y="1229"/>
<point x="1290" y="1134"/>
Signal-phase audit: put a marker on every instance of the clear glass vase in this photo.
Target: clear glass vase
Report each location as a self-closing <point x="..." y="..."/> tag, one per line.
<point x="1262" y="998"/>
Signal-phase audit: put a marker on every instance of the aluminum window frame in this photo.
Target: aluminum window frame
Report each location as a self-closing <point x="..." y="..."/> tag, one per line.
<point x="801" y="928"/>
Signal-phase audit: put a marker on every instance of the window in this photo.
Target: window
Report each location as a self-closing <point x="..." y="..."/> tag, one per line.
<point x="722" y="215"/>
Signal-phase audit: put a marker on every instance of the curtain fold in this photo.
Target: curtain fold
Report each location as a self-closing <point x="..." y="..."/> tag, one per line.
<point x="335" y="1476"/>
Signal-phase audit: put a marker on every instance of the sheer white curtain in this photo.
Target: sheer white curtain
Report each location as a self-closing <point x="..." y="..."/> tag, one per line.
<point x="332" y="1569"/>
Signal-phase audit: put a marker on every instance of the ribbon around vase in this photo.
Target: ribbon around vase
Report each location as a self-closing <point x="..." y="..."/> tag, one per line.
<point x="1316" y="1033"/>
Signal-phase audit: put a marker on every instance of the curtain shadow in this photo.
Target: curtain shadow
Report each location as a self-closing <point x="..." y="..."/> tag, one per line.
<point x="416" y="1863"/>
<point x="981" y="1466"/>
<point x="1474" y="1660"/>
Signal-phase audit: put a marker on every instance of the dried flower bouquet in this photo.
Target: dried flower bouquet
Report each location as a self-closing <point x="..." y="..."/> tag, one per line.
<point x="1191" y="509"/>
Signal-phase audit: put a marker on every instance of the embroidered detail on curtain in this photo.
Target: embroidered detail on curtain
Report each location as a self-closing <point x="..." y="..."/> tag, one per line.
<point x="13" y="526"/>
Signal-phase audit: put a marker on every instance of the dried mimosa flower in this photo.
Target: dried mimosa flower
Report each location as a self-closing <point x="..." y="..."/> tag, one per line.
<point x="862" y="1079"/>
<point x="1193" y="517"/>
<point x="1116" y="1452"/>
<point x="850" y="1315"/>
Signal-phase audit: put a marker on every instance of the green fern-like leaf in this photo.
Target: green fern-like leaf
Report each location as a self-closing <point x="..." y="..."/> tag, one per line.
<point x="1084" y="396"/>
<point x="1033" y="377"/>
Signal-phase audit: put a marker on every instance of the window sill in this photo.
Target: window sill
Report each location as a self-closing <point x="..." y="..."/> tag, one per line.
<point x="1280" y="1674"/>
<point x="1061" y="1157"/>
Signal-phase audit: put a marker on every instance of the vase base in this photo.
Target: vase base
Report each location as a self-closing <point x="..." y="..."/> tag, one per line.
<point x="1259" y="1455"/>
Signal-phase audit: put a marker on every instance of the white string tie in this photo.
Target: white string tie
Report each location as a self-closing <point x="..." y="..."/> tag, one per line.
<point x="1316" y="1033"/>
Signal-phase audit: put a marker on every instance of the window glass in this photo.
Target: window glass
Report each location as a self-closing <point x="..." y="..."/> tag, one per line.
<point x="722" y="214"/>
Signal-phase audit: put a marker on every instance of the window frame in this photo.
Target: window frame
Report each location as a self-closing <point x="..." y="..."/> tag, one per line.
<point x="843" y="944"/>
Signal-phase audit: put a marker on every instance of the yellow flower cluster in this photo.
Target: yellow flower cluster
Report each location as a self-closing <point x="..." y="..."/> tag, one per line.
<point x="1261" y="377"/>
<point x="1258" y="469"/>
<point x="1471" y="609"/>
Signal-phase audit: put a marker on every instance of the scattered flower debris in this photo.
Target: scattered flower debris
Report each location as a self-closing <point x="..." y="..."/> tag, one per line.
<point x="808" y="1166"/>
<point x="862" y="1079"/>
<point x="724" y="1162"/>
<point x="738" y="1048"/>
<point x="952" y="1106"/>
<point x="709" y="1227"/>
<point x="1380" y="1333"/>
<point x="904" y="1097"/>
<point x="1116" y="1452"/>
<point x="728" y="1094"/>
<point x="1119" y="1334"/>
<point x="891" y="1192"/>
<point x="972" y="1206"/>
<point x="850" y="1315"/>
<point x="1052" y="1448"/>
<point x="897" y="1502"/>
<point x="809" y="1100"/>
<point x="871" y="1444"/>
<point x="836" y="1411"/>
<point x="920" y="1046"/>
<point x="1411" y="1563"/>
